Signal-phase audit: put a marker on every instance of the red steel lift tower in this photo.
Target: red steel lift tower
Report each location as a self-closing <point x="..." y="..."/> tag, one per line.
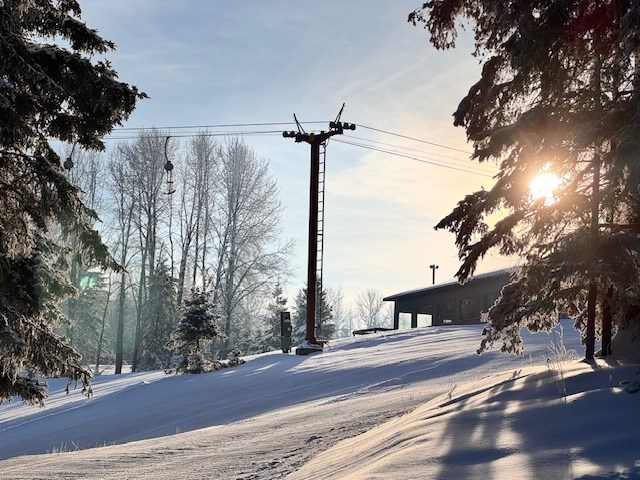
<point x="317" y="141"/>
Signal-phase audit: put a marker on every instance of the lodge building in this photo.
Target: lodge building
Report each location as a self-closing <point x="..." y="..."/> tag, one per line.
<point x="448" y="303"/>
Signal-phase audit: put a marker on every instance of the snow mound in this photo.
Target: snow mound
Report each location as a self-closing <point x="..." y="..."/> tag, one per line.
<point x="514" y="425"/>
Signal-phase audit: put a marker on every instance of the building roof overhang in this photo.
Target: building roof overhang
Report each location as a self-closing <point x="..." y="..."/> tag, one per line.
<point x="447" y="285"/>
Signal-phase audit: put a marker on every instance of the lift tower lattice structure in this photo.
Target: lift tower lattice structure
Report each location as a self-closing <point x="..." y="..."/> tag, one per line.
<point x="315" y="258"/>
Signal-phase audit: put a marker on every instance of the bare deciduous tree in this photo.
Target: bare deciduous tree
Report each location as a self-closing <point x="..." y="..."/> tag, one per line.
<point x="370" y="309"/>
<point x="197" y="194"/>
<point x="82" y="309"/>
<point x="342" y="315"/>
<point x="146" y="158"/>
<point x="247" y="229"/>
<point x="122" y="212"/>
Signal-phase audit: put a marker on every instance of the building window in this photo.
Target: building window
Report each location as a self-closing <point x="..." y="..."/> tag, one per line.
<point x="404" y="320"/>
<point x="425" y="320"/>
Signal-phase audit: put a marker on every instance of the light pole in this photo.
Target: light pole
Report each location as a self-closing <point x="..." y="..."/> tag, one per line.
<point x="433" y="268"/>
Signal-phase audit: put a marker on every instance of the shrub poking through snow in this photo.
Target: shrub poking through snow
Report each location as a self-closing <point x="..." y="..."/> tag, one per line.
<point x="557" y="354"/>
<point x="234" y="358"/>
<point x="198" y="363"/>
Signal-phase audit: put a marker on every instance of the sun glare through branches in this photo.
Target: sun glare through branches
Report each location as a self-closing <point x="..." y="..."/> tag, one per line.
<point x="544" y="186"/>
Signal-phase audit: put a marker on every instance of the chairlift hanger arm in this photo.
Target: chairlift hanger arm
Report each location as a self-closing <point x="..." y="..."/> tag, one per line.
<point x="168" y="166"/>
<point x="336" y="128"/>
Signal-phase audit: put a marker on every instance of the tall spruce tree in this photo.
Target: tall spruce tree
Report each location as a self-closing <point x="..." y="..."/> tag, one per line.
<point x="47" y="91"/>
<point x="560" y="93"/>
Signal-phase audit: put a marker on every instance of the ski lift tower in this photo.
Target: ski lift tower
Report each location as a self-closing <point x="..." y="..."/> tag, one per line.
<point x="318" y="142"/>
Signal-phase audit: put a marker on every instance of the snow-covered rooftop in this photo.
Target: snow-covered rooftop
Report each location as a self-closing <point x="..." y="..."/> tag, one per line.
<point x="438" y="286"/>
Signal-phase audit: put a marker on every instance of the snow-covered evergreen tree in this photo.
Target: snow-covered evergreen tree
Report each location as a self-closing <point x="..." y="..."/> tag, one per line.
<point x="234" y="358"/>
<point x="47" y="91"/>
<point x="559" y="94"/>
<point x="324" y="315"/>
<point x="248" y="340"/>
<point x="195" y="329"/>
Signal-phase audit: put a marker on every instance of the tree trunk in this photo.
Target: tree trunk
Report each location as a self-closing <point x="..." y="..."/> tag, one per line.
<point x="196" y="252"/>
<point x="138" y="335"/>
<point x="182" y="272"/>
<point x="590" y="338"/>
<point x="104" y="319"/>
<point x="607" y="319"/>
<point x="228" y="304"/>
<point x="120" y="326"/>
<point x="124" y="245"/>
<point x="204" y="248"/>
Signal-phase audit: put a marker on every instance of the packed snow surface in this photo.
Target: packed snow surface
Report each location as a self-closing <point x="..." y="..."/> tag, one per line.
<point x="393" y="405"/>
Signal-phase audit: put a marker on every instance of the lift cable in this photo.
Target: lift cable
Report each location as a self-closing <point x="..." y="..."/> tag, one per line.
<point x="219" y="125"/>
<point x="414" y="158"/>
<point x="360" y="145"/>
<point x="124" y="136"/>
<point x="489" y="168"/>
<point x="413" y="138"/>
<point x="129" y="133"/>
<point x="265" y="124"/>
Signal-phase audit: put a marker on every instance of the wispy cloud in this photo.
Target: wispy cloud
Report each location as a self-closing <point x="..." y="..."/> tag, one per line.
<point x="207" y="62"/>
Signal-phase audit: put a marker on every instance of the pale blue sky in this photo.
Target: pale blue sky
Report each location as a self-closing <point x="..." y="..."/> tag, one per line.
<point x="205" y="62"/>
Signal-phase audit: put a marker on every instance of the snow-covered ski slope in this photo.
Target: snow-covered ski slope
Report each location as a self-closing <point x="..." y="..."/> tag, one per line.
<point x="276" y="414"/>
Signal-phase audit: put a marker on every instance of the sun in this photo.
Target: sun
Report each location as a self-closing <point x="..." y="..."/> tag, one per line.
<point x="544" y="186"/>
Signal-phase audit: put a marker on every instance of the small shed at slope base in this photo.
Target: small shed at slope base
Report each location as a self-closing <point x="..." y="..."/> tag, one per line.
<point x="448" y="303"/>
